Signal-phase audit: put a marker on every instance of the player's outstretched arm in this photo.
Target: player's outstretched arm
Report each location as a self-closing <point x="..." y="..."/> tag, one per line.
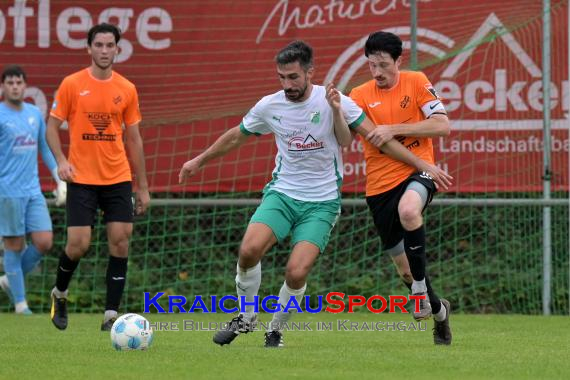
<point x="436" y="125"/>
<point x="341" y="130"/>
<point x="64" y="169"/>
<point x="136" y="153"/>
<point x="227" y="142"/>
<point x="398" y="152"/>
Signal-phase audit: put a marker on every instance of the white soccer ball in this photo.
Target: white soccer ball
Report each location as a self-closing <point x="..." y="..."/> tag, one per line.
<point x="131" y="332"/>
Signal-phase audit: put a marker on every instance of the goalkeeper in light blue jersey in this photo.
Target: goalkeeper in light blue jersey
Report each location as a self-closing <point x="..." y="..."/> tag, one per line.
<point x="23" y="208"/>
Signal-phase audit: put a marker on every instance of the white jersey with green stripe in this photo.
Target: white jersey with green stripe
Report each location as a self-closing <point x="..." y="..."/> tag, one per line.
<point x="308" y="164"/>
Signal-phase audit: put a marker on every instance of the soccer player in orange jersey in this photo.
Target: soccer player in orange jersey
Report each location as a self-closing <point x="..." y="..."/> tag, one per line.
<point x="100" y="106"/>
<point x="405" y="106"/>
<point x="310" y="124"/>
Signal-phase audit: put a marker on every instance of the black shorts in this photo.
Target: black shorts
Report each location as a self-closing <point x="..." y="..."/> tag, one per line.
<point x="115" y="202"/>
<point x="384" y="209"/>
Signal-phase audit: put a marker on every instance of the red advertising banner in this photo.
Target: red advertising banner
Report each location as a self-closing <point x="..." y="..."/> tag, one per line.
<point x="199" y="66"/>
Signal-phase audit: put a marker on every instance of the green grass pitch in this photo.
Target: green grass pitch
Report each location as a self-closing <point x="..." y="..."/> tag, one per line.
<point x="484" y="347"/>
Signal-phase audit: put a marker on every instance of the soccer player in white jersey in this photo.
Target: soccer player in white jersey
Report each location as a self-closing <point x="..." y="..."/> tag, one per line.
<point x="310" y="124"/>
<point x="23" y="208"/>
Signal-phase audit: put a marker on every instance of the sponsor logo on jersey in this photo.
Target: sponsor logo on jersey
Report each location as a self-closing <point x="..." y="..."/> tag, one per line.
<point x="24" y="142"/>
<point x="300" y="144"/>
<point x="100" y="121"/>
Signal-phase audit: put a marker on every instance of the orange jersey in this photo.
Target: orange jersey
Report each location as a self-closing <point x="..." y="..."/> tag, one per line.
<point x="96" y="111"/>
<point x="397" y="105"/>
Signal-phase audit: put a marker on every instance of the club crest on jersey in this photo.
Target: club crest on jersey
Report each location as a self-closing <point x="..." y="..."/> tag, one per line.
<point x="428" y="86"/>
<point x="315" y="117"/>
<point x="300" y="144"/>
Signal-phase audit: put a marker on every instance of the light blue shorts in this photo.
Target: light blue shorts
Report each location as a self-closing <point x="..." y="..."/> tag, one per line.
<point x="20" y="216"/>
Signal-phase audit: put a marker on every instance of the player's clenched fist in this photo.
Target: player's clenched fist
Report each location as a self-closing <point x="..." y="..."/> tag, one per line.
<point x="65" y="171"/>
<point x="189" y="169"/>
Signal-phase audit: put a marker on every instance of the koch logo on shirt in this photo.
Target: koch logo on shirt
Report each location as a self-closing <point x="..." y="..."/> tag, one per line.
<point x="100" y="121"/>
<point x="300" y="144"/>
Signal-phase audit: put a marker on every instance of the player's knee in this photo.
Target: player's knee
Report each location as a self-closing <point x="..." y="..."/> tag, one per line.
<point x="44" y="245"/>
<point x="14" y="244"/>
<point x="75" y="249"/>
<point x="410" y="216"/>
<point x="121" y="247"/>
<point x="296" y="276"/>
<point x="250" y="254"/>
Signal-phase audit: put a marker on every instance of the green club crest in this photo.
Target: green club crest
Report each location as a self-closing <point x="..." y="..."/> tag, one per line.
<point x="315" y="117"/>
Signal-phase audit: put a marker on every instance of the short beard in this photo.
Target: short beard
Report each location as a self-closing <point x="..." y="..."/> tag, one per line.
<point x="300" y="96"/>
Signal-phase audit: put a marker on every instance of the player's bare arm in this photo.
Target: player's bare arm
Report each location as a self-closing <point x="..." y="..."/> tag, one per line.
<point x="64" y="169"/>
<point x="60" y="193"/>
<point x="136" y="153"/>
<point x="398" y="152"/>
<point x="341" y="130"/>
<point x="230" y="140"/>
<point x="435" y="125"/>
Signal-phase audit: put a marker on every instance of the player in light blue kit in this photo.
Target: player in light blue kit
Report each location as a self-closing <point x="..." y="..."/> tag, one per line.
<point x="23" y="208"/>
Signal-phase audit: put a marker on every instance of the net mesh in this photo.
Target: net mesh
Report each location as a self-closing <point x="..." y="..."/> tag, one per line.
<point x="482" y="258"/>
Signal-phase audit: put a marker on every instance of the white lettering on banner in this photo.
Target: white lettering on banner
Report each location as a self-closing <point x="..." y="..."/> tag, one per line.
<point x="506" y="144"/>
<point x="499" y="94"/>
<point x="355" y="168"/>
<point x="19" y="12"/>
<point x="65" y="25"/>
<point x="320" y="15"/>
<point x="2" y="25"/>
<point x="144" y="26"/>
<point x="484" y="96"/>
<point x="355" y="146"/>
<point x="43" y="24"/>
<point x="73" y="23"/>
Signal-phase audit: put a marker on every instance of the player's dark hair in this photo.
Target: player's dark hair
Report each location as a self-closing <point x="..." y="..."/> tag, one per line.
<point x="103" y="28"/>
<point x="13" y="71"/>
<point x="296" y="51"/>
<point x="386" y="42"/>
